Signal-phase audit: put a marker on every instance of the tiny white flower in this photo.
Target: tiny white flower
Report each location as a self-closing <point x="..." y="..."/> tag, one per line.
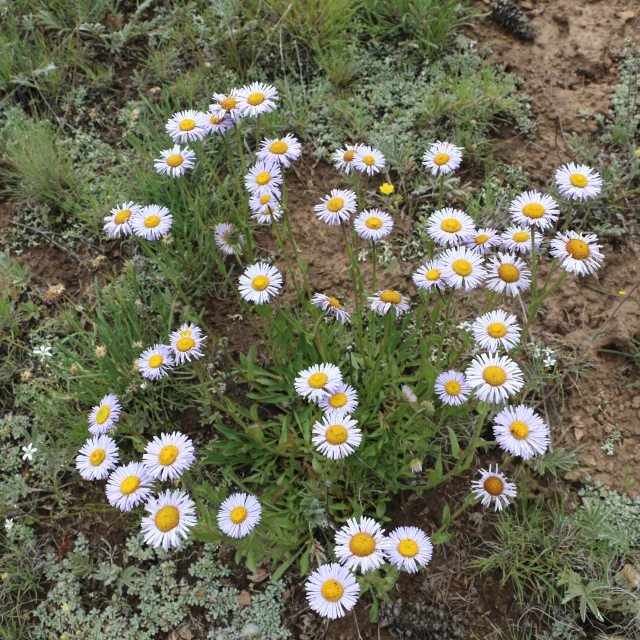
<point x="408" y="395"/>
<point x="29" y="450"/>
<point x="42" y="352"/>
<point x="8" y="524"/>
<point x="494" y="488"/>
<point x="442" y="158"/>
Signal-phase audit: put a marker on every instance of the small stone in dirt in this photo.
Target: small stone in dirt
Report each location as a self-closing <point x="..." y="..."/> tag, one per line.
<point x="509" y="16"/>
<point x="636" y="402"/>
<point x="244" y="599"/>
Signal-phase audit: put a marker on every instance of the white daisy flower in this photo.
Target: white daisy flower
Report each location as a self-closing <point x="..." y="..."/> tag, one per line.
<point x="119" y="222"/>
<point x="260" y="203"/>
<point x="517" y="239"/>
<point x="152" y="222"/>
<point x="239" y="514"/>
<point x="429" y="276"/>
<point x="318" y="381"/>
<point x="168" y="456"/>
<point x="577" y="252"/>
<point x="462" y="268"/>
<point x="409" y="548"/>
<point x="128" y="486"/>
<point x="187" y="126"/>
<point x="496" y="329"/>
<point x="171" y="515"/>
<point x="228" y="240"/>
<point x="337" y="435"/>
<point x="344" y="399"/>
<point x="442" y="158"/>
<point x="578" y="181"/>
<point x="452" y="387"/>
<point x="483" y="241"/>
<point x="97" y="457"/>
<point x="373" y="224"/>
<point x="332" y="591"/>
<point x="368" y="160"/>
<point x="361" y="545"/>
<point x="343" y="158"/>
<point x="227" y="104"/>
<point x="270" y="213"/>
<point x="331" y="305"/>
<point x="103" y="416"/>
<point x="520" y="431"/>
<point x="256" y="99"/>
<point x="507" y="274"/>
<point x="156" y="362"/>
<point x="336" y="207"/>
<point x="282" y="150"/>
<point x="533" y="208"/>
<point x="218" y="121"/>
<point x="186" y="342"/>
<point x="388" y="299"/>
<point x="263" y="177"/>
<point x="260" y="282"/>
<point x="174" y="162"/>
<point x="450" y="227"/>
<point x="407" y="394"/>
<point x="494" y="378"/>
<point x="494" y="487"/>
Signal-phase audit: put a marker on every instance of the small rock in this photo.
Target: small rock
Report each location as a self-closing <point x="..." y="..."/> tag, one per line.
<point x="625" y="16"/>
<point x="630" y="576"/>
<point x="572" y="476"/>
<point x="636" y="402"/>
<point x="244" y="599"/>
<point x="579" y="433"/>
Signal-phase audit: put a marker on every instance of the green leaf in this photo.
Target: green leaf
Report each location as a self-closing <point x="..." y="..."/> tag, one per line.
<point x="455" y="447"/>
<point x="441" y="537"/>
<point x="279" y="572"/>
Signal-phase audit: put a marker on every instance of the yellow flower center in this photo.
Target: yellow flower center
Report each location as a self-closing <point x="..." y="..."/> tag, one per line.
<point x="348" y="156"/>
<point x="432" y="275"/>
<point x="452" y="387"/>
<point x="263" y="178"/>
<point x="391" y="296"/>
<point x="441" y="158"/>
<point x="369" y="160"/>
<point x="103" y="414"/>
<point x="216" y="120"/>
<point x="533" y="210"/>
<point x="481" y="238"/>
<point x="265" y="198"/>
<point x="167" y="518"/>
<point x="238" y="515"/>
<point x="97" y="457"/>
<point x="497" y="330"/>
<point x="335" y="204"/>
<point x="462" y="267"/>
<point x="175" y="160"/>
<point x="334" y="302"/>
<point x="495" y="376"/>
<point x="362" y="544"/>
<point x="279" y="147"/>
<point x="129" y="485"/>
<point x="260" y="283"/>
<point x="521" y="236"/>
<point x="493" y="486"/>
<point x="331" y="590"/>
<point x="151" y="221"/>
<point x="578" y="180"/>
<point x="407" y="548"/>
<point x="155" y="361"/>
<point x="578" y="249"/>
<point x="228" y="103"/>
<point x="256" y="98"/>
<point x="185" y="344"/>
<point x="509" y="273"/>
<point x="122" y="216"/>
<point x="519" y="430"/>
<point x="336" y="434"/>
<point x="168" y="455"/>
<point x="338" y="400"/>
<point x="373" y="223"/>
<point x="451" y="225"/>
<point x="187" y="124"/>
<point x="318" y="380"/>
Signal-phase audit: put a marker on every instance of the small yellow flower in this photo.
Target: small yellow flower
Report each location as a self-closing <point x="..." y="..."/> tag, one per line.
<point x="622" y="292"/>
<point x="387" y="188"/>
<point x="638" y="153"/>
<point x="65" y="607"/>
<point x="5" y="577"/>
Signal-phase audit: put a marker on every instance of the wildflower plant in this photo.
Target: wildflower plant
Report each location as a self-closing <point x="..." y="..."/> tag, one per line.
<point x="344" y="402"/>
